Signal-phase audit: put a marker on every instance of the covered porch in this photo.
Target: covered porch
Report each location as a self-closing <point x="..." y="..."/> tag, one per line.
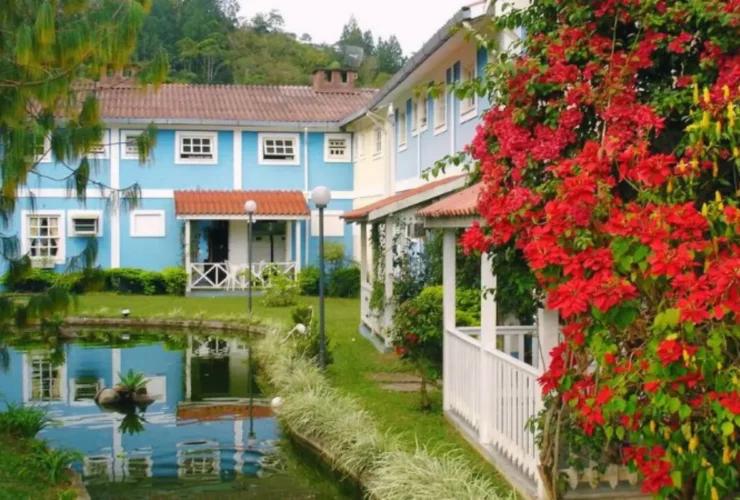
<point x="216" y="237"/>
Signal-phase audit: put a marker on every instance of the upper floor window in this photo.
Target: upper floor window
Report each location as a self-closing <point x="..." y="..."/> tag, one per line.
<point x="42" y="150"/>
<point x="43" y="237"/>
<point x="130" y="144"/>
<point x="403" y="130"/>
<point x="440" y="111"/>
<point x="421" y="114"/>
<point x="336" y="148"/>
<point x="378" y="142"/>
<point x="84" y="222"/>
<point x="100" y="150"/>
<point x="196" y="147"/>
<point x="468" y="104"/>
<point x="279" y="149"/>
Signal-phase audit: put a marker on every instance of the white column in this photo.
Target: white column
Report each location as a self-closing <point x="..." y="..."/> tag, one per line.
<point x="187" y="254"/>
<point x="448" y="309"/>
<point x="548" y="334"/>
<point x="389" y="275"/>
<point x="298" y="244"/>
<point x="487" y="343"/>
<point x="363" y="253"/>
<point x="288" y="241"/>
<point x="237" y="159"/>
<point x="189" y="370"/>
<point x="115" y="183"/>
<point x="449" y="252"/>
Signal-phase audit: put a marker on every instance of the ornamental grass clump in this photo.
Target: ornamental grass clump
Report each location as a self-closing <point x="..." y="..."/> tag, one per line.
<point x="610" y="167"/>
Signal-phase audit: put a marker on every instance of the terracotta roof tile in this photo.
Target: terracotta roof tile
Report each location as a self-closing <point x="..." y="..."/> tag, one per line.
<point x="272" y="203"/>
<point x="361" y="213"/>
<point x="251" y="103"/>
<point x="461" y="204"/>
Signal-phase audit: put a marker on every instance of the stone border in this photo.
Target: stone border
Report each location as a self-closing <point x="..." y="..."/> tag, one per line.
<point x="183" y="324"/>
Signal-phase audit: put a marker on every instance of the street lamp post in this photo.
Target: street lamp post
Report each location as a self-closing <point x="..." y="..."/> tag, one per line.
<point x="250" y="207"/>
<point x="321" y="196"/>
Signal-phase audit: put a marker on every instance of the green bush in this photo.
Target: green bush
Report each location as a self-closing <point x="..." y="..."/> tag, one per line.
<point x="175" y="279"/>
<point x="308" y="281"/>
<point x="345" y="282"/>
<point x="136" y="281"/>
<point x="308" y="344"/>
<point x="468" y="303"/>
<point x="282" y="292"/>
<point x="37" y="280"/>
<point x="24" y="422"/>
<point x="334" y="254"/>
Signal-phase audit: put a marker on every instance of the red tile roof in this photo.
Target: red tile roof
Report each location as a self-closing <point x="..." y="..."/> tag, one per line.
<point x="269" y="203"/>
<point x="461" y="204"/>
<point x="248" y="103"/>
<point x="361" y="213"/>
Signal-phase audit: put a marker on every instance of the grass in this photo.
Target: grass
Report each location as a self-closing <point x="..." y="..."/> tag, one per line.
<point x="354" y="360"/>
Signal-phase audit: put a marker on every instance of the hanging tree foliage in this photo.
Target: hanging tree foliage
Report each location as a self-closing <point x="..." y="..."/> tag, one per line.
<point x="52" y="53"/>
<point x="612" y="164"/>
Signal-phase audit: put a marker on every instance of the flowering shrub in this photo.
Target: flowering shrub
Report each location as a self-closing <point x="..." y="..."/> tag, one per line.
<point x="612" y="166"/>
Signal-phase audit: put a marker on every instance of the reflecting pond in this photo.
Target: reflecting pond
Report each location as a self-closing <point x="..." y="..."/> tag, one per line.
<point x="197" y="435"/>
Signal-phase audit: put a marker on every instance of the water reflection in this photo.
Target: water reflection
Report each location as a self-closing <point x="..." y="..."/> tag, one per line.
<point x="199" y="425"/>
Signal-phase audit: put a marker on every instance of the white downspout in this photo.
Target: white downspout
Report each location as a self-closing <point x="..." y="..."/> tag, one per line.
<point x="391" y="148"/>
<point x="305" y="160"/>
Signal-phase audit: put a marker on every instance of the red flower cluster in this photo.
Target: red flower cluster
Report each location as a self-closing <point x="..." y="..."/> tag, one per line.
<point x="653" y="466"/>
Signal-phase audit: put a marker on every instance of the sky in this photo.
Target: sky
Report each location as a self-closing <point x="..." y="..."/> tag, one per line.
<point x="412" y="21"/>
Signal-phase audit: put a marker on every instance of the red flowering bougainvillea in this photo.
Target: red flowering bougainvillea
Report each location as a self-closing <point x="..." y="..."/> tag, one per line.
<point x="612" y="166"/>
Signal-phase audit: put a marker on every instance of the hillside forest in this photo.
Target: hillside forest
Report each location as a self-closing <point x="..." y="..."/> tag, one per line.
<point x="207" y="42"/>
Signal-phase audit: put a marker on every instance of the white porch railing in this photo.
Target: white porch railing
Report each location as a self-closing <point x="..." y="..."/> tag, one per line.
<point x="229" y="276"/>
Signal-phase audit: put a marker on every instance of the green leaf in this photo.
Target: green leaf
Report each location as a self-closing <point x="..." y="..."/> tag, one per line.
<point x="684" y="412"/>
<point x="625" y="317"/>
<point x="620" y="432"/>
<point x="677" y="478"/>
<point x="727" y="428"/>
<point x="674" y="404"/>
<point x="609" y="433"/>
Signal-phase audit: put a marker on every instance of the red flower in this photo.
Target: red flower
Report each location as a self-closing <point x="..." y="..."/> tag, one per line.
<point x="670" y="351"/>
<point x="678" y="44"/>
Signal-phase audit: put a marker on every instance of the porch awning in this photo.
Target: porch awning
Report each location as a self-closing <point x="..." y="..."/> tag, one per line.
<point x="405" y="200"/>
<point x="225" y="205"/>
<point x="457" y="210"/>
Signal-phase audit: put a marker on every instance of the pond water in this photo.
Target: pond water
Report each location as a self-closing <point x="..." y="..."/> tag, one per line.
<point x="199" y="438"/>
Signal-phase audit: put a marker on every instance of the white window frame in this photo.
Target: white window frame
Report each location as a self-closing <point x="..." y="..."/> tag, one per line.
<point x="105" y="142"/>
<point x="403" y="130"/>
<point x="46" y="156"/>
<point x="84" y="214"/>
<point x="420" y="103"/>
<point x="62" y="236"/>
<point x="359" y="151"/>
<point x="468" y="105"/>
<point x="348" y="145"/>
<point x="125" y="135"/>
<point x="296" y="147"/>
<point x="132" y="224"/>
<point x="441" y="104"/>
<point x="28" y="361"/>
<point x="334" y="225"/>
<point x="377" y="140"/>
<point x="212" y="136"/>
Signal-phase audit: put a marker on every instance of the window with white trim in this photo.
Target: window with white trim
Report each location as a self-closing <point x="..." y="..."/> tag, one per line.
<point x="403" y="129"/>
<point x="130" y="144"/>
<point x="42" y="150"/>
<point x="468" y="104"/>
<point x="44" y="239"/>
<point x="84" y="223"/>
<point x="46" y="380"/>
<point x="336" y="148"/>
<point x="422" y="112"/>
<point x="378" y="142"/>
<point x="440" y="110"/>
<point x="279" y="149"/>
<point x="197" y="147"/>
<point x="333" y="224"/>
<point x="100" y="150"/>
<point x="147" y="224"/>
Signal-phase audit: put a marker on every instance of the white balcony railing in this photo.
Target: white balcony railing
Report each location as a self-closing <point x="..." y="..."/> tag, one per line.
<point x="233" y="276"/>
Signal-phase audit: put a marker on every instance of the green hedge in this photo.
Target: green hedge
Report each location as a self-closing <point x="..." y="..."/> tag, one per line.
<point x="171" y="280"/>
<point x="341" y="281"/>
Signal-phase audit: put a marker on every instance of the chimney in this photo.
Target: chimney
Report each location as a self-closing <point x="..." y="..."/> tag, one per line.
<point x="334" y="80"/>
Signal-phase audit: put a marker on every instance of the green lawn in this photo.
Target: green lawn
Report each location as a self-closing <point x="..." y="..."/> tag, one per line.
<point x="354" y="359"/>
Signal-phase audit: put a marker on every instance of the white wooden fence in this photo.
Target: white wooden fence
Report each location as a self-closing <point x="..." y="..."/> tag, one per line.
<point x="230" y="276"/>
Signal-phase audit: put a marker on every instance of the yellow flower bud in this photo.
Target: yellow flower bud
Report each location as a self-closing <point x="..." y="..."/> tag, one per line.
<point x="719" y="367"/>
<point x="731" y="114"/>
<point x="717" y="195"/>
<point x="694" y="164"/>
<point x="735" y="380"/>
<point x="715" y="495"/>
<point x="735" y="152"/>
<point x="710" y="473"/>
<point x="693" y="443"/>
<point x="670" y="186"/>
<point x="718" y="128"/>
<point x="686" y="356"/>
<point x="726" y="92"/>
<point x="696" y="94"/>
<point x="715" y="169"/>
<point x="652" y="426"/>
<point x="679" y="450"/>
<point x="705" y="122"/>
<point x="667" y="434"/>
<point x="704" y="210"/>
<point x="726" y="455"/>
<point x="704" y="462"/>
<point x="707" y="97"/>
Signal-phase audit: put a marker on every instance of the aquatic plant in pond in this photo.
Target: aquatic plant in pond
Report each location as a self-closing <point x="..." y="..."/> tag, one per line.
<point x="23" y="422"/>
